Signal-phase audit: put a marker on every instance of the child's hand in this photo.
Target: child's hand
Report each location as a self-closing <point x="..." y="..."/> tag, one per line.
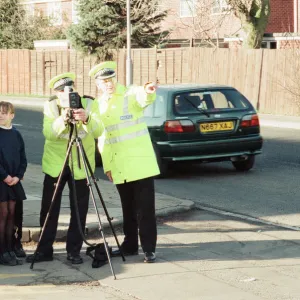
<point x="14" y="181"/>
<point x="8" y="180"/>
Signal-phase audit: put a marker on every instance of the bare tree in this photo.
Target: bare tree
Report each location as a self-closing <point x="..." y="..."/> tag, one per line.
<point x="205" y="21"/>
<point x="254" y="16"/>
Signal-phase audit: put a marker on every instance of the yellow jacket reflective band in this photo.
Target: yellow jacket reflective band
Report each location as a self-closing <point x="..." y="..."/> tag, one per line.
<point x="123" y="125"/>
<point x="125" y="146"/>
<point x="126" y="137"/>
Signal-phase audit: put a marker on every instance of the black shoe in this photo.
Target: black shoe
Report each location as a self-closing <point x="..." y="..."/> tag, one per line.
<point x="75" y="259"/>
<point x="19" y="251"/>
<point x="149" y="257"/>
<point x="14" y="258"/>
<point x="7" y="260"/>
<point x="117" y="252"/>
<point x="39" y="257"/>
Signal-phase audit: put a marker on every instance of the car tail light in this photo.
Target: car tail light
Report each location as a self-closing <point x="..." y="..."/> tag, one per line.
<point x="179" y="126"/>
<point x="250" y="121"/>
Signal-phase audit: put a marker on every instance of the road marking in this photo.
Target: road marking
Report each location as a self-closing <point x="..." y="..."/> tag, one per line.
<point x="245" y="217"/>
<point x="20" y="125"/>
<point x="6" y="276"/>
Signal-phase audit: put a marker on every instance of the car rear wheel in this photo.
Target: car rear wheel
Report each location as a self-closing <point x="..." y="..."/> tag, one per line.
<point x="244" y="165"/>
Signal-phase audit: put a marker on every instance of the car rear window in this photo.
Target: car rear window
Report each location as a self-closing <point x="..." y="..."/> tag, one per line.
<point x="209" y="100"/>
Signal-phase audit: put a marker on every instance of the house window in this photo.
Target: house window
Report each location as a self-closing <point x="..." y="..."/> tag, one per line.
<point x="29" y="8"/>
<point x="55" y="13"/>
<point x="269" y="45"/>
<point x="220" y="6"/>
<point x="187" y="8"/>
<point x="75" y="17"/>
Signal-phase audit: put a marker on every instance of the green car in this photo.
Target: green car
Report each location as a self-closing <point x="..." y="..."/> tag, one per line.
<point x="203" y="123"/>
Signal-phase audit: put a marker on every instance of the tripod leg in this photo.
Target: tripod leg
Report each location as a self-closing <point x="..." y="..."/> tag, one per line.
<point x="102" y="203"/>
<point x="52" y="202"/>
<point x="84" y="159"/>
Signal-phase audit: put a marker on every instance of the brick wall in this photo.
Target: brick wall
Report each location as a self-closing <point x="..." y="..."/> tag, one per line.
<point x="282" y="16"/>
<point x="288" y="44"/>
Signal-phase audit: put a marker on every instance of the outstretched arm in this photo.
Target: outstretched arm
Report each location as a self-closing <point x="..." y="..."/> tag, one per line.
<point x="144" y="95"/>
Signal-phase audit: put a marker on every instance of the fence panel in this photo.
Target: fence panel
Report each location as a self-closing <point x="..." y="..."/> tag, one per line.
<point x="268" y="78"/>
<point x="4" y="72"/>
<point x="15" y="71"/>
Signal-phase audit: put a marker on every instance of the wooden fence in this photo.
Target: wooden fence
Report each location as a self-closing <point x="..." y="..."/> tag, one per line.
<point x="268" y="78"/>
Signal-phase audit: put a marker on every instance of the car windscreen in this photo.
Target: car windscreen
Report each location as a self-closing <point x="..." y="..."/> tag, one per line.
<point x="209" y="100"/>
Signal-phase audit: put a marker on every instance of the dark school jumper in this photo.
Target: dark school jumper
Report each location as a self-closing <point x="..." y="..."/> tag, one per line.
<point x="13" y="162"/>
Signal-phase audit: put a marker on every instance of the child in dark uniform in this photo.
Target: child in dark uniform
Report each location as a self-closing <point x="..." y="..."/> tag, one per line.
<point x="13" y="165"/>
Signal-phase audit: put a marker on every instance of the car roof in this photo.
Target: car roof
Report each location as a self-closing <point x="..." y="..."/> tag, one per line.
<point x="192" y="86"/>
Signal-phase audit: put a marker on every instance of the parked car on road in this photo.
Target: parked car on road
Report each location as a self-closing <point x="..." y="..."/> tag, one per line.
<point x="203" y="123"/>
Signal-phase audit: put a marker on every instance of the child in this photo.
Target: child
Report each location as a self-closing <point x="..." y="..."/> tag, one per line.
<point x="13" y="165"/>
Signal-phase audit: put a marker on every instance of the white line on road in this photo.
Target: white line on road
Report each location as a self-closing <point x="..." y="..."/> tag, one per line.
<point x="245" y="217"/>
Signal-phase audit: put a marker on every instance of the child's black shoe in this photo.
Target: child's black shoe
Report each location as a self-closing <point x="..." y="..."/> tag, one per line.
<point x="7" y="260"/>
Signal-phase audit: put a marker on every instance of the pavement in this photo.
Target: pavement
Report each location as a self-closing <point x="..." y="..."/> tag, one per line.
<point x="201" y="255"/>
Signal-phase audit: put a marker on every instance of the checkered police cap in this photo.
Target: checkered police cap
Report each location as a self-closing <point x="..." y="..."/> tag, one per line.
<point x="104" y="70"/>
<point x="60" y="84"/>
<point x="60" y="81"/>
<point x="105" y="73"/>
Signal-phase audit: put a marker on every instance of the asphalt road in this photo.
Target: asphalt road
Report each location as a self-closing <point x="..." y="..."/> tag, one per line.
<point x="269" y="191"/>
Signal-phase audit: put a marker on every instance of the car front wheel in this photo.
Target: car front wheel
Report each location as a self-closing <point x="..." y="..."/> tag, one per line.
<point x="244" y="165"/>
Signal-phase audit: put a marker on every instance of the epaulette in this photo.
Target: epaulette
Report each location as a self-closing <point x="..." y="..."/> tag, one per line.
<point x="52" y="98"/>
<point x="88" y="97"/>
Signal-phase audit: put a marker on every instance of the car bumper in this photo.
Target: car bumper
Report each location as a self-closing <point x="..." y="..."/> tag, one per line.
<point x="210" y="150"/>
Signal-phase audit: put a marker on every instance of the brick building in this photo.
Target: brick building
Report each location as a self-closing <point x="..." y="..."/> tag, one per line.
<point x="215" y="24"/>
<point x="218" y="23"/>
<point x="61" y="12"/>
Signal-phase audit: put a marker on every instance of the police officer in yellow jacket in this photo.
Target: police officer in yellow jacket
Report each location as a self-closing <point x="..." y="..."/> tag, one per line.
<point x="128" y="156"/>
<point x="56" y="129"/>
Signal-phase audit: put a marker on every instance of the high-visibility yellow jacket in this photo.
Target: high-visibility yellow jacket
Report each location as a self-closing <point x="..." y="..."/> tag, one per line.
<point x="56" y="133"/>
<point x="125" y="145"/>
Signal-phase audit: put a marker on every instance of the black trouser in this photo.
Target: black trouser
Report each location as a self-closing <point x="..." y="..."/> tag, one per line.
<point x="138" y="205"/>
<point x="74" y="238"/>
<point x="17" y="234"/>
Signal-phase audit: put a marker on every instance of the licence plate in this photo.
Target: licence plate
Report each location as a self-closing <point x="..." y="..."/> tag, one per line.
<point x="218" y="126"/>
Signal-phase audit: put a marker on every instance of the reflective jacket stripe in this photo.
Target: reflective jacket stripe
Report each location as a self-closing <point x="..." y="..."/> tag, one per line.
<point x="125" y="106"/>
<point x="124" y="125"/>
<point x="126" y="137"/>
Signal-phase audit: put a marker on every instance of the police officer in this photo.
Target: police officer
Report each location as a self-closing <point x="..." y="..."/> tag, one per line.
<point x="128" y="156"/>
<point x="56" y="129"/>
